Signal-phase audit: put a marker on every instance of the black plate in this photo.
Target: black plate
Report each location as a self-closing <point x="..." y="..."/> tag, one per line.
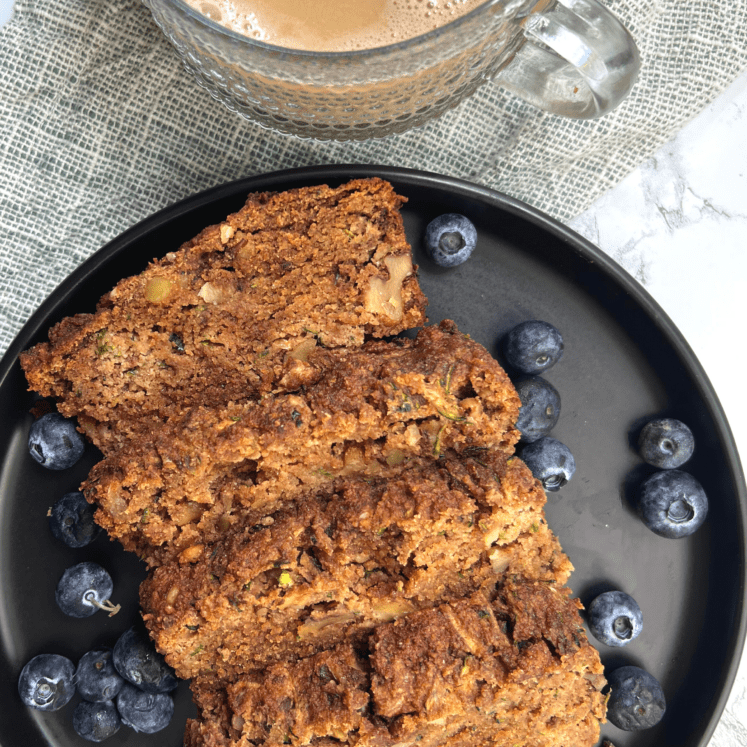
<point x="624" y="362"/>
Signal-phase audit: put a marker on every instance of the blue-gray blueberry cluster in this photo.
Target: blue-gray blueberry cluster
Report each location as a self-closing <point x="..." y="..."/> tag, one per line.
<point x="130" y="684"/>
<point x="530" y="348"/>
<point x="671" y="502"/>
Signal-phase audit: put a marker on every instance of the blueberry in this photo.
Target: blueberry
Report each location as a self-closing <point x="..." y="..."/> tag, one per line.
<point x="83" y="589"/>
<point x="540" y="408"/>
<point x="71" y="520"/>
<point x="450" y="239"/>
<point x="550" y="461"/>
<point x="137" y="660"/>
<point x="672" y="503"/>
<point x="54" y="442"/>
<point x="666" y="443"/>
<point x="636" y="699"/>
<point x="47" y="682"/>
<point x="96" y="678"/>
<point x="96" y="721"/>
<point x="144" y="712"/>
<point x="615" y="618"/>
<point x="533" y="347"/>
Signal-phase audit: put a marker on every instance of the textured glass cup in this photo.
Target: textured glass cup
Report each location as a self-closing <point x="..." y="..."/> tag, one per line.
<point x="570" y="57"/>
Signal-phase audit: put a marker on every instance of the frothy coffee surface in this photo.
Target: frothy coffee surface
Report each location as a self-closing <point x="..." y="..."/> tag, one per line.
<point x="333" y="25"/>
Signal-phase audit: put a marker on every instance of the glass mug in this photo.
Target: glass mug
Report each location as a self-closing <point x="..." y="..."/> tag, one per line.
<point x="569" y="57"/>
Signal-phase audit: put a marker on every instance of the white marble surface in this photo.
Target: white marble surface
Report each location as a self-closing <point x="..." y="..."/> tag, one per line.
<point x="6" y="8"/>
<point x="678" y="224"/>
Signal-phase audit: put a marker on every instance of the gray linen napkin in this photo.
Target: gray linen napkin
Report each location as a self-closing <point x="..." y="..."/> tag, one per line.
<point x="100" y="127"/>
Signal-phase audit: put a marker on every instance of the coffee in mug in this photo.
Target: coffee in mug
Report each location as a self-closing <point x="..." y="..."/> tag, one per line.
<point x="570" y="57"/>
<point x="333" y="25"/>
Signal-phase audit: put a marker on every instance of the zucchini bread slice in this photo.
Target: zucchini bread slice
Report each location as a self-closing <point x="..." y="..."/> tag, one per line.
<point x="506" y="668"/>
<point x="186" y="484"/>
<point x="332" y="566"/>
<point x="233" y="313"/>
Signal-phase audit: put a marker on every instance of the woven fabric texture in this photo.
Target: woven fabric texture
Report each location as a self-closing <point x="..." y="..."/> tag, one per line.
<point x="100" y="126"/>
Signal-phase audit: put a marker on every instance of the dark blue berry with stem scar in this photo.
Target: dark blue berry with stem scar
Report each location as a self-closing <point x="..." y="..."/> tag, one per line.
<point x="532" y="347"/>
<point x="54" y="442"/>
<point x="615" y="618"/>
<point x="540" y="408"/>
<point x="636" y="699"/>
<point x="96" y="721"/>
<point x="137" y="660"/>
<point x="666" y="443"/>
<point x="96" y="678"/>
<point x="71" y="520"/>
<point x="450" y="239"/>
<point x="84" y="589"/>
<point x="550" y="461"/>
<point x="47" y="682"/>
<point x="144" y="712"/>
<point x="672" y="503"/>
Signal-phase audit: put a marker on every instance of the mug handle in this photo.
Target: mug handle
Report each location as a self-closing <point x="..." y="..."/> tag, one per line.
<point x="578" y="60"/>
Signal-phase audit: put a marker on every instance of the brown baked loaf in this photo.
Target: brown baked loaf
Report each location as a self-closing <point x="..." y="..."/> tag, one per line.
<point x="343" y="548"/>
<point x="512" y="668"/>
<point x="235" y="311"/>
<point x="190" y="481"/>
<point x="333" y="565"/>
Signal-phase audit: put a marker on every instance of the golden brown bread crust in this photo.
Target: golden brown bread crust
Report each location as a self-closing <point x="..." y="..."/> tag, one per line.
<point x="231" y="313"/>
<point x="375" y="408"/>
<point x="511" y="668"/>
<point x="333" y="565"/>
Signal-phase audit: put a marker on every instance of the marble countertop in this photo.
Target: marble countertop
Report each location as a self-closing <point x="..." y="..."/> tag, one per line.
<point x="678" y="224"/>
<point x="6" y="8"/>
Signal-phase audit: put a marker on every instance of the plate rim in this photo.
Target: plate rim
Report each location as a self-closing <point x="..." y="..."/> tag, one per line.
<point x="420" y="178"/>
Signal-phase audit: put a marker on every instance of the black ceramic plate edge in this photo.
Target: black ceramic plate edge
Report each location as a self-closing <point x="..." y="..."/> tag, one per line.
<point x="54" y="308"/>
